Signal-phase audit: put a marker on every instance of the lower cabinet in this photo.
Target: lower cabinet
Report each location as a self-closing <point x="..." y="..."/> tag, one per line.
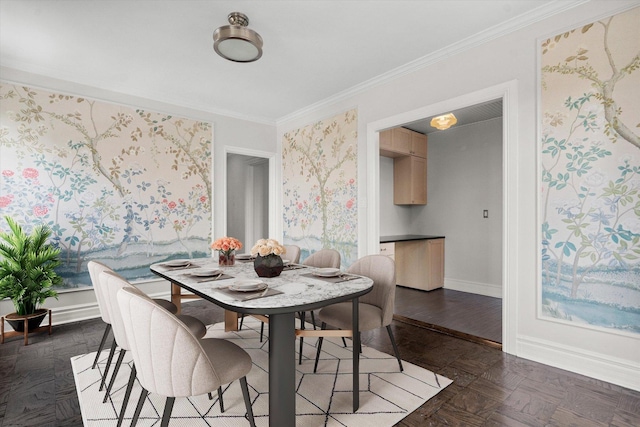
<point x="388" y="249"/>
<point x="420" y="263"/>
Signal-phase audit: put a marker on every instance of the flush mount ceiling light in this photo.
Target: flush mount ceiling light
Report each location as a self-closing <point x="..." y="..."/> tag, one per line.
<point x="236" y="42"/>
<point x="444" y="122"/>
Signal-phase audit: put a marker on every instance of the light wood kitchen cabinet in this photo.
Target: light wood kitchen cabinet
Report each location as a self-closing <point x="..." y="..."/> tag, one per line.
<point x="388" y="249"/>
<point x="419" y="145"/>
<point x="420" y="263"/>
<point x="399" y="142"/>
<point x="410" y="180"/>
<point x="409" y="152"/>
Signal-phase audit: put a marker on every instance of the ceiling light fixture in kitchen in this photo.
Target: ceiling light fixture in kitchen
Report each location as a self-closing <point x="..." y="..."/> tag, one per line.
<point x="444" y="122"/>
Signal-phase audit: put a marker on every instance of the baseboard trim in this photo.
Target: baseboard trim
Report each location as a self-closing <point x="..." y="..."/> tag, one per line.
<point x="487" y="289"/>
<point x="595" y="365"/>
<point x="86" y="311"/>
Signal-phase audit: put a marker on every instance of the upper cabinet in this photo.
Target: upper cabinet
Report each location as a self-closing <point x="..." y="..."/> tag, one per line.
<point x="402" y="142"/>
<point x="409" y="152"/>
<point x="409" y="180"/>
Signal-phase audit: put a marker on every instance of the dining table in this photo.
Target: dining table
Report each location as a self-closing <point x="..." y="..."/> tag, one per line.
<point x="298" y="288"/>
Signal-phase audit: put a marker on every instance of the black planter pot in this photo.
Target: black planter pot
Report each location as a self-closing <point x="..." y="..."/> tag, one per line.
<point x="268" y="266"/>
<point x="34" y="320"/>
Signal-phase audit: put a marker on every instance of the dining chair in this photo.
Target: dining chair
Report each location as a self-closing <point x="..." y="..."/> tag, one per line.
<point x="292" y="253"/>
<point x="95" y="268"/>
<point x="375" y="308"/>
<point x="110" y="285"/>
<point x="324" y="258"/>
<point x="172" y="362"/>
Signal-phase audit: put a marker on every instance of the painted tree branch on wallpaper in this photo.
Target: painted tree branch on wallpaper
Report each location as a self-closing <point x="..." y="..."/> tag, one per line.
<point x="124" y="186"/>
<point x="590" y="171"/>
<point x="319" y="186"/>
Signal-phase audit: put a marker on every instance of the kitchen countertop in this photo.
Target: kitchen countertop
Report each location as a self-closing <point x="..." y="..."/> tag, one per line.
<point x="407" y="237"/>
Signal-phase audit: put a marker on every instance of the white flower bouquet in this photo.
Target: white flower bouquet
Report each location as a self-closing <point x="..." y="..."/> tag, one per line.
<point x="264" y="247"/>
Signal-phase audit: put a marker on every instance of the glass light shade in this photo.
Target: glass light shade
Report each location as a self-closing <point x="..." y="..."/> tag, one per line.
<point x="238" y="44"/>
<point x="444" y="122"/>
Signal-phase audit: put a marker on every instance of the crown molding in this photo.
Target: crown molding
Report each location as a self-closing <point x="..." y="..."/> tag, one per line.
<point x="539" y="14"/>
<point x="13" y="71"/>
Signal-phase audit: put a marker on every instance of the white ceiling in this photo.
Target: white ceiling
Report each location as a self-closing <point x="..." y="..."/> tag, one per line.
<point x="313" y="50"/>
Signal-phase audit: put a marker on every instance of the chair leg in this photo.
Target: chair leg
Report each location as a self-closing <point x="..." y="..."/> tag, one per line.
<point x="220" y="399"/>
<point x="115" y="374"/>
<point x="166" y="415"/>
<point x="261" y="330"/>
<point x="315" y="366"/>
<point x="106" y="368"/>
<point x="101" y="346"/>
<point x="344" y="342"/>
<point x="241" y="321"/>
<point x="313" y="320"/>
<point x="247" y="400"/>
<point x="302" y="320"/>
<point x="127" y="394"/>
<point x="136" y="414"/>
<point x="395" y="347"/>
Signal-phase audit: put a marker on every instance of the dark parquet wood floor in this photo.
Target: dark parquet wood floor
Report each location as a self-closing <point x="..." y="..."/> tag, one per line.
<point x="452" y="311"/>
<point x="490" y="388"/>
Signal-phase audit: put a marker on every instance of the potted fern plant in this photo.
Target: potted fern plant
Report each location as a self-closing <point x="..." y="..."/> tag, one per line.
<point x="27" y="272"/>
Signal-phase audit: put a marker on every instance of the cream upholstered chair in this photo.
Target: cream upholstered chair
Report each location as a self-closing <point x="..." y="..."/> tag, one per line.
<point x="95" y="268"/>
<point x="292" y="253"/>
<point x="324" y="258"/>
<point x="172" y="362"/>
<point x="110" y="285"/>
<point x="375" y="309"/>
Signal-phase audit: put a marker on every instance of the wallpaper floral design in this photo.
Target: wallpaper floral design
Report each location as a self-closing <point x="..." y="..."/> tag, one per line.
<point x="123" y="186"/>
<point x="590" y="169"/>
<point x="320" y="186"/>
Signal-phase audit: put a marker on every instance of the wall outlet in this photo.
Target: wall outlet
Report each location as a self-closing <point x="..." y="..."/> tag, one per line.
<point x="485" y="214"/>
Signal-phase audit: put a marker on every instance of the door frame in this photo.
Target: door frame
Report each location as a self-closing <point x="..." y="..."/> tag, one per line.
<point x="370" y="235"/>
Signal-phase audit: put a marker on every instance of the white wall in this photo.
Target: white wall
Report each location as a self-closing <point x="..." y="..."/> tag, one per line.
<point x="513" y="57"/>
<point x="227" y="131"/>
<point x="464" y="177"/>
<point x="236" y="196"/>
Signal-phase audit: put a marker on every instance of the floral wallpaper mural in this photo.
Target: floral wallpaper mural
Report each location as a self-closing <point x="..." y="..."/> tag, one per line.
<point x="123" y="186"/>
<point x="319" y="186"/>
<point x="590" y="170"/>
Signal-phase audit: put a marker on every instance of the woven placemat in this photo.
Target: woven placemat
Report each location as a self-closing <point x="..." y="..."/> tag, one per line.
<point x="335" y="279"/>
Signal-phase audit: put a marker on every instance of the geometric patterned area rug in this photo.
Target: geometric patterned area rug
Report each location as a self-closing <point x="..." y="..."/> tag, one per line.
<point x="323" y="399"/>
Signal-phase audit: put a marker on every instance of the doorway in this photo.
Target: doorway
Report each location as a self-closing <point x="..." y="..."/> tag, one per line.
<point x="464" y="204"/>
<point x="370" y="235"/>
<point x="247" y="198"/>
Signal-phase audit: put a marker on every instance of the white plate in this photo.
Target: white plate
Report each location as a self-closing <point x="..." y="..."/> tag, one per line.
<point x="177" y="263"/>
<point x="326" y="272"/>
<point x="244" y="256"/>
<point x="205" y="272"/>
<point x="248" y="285"/>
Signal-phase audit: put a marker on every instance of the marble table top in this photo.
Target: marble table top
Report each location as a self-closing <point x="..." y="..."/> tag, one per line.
<point x="299" y="290"/>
